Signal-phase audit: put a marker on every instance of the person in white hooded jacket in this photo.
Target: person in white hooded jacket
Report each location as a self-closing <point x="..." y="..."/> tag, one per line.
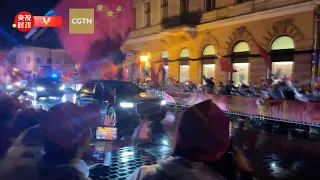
<point x="202" y="150"/>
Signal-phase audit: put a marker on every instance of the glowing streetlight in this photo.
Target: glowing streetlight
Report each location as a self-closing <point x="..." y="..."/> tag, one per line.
<point x="144" y="58"/>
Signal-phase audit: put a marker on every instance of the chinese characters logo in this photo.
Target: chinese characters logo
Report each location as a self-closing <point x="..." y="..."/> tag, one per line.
<point x="25" y="21"/>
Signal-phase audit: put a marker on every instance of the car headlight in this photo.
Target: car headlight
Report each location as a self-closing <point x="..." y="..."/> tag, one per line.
<point x="163" y="102"/>
<point x="40" y="88"/>
<point x="62" y="87"/>
<point x="126" y="104"/>
<point x="9" y="87"/>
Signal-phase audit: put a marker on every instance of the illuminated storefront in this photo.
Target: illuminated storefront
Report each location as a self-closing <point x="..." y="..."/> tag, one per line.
<point x="285" y="32"/>
<point x="240" y="62"/>
<point x="207" y="63"/>
<point x="184" y="65"/>
<point x="282" y="56"/>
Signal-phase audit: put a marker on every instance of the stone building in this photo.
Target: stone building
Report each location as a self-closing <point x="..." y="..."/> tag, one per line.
<point x="190" y="34"/>
<point x="36" y="59"/>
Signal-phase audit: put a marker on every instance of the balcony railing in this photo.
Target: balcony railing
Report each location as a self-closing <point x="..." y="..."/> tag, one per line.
<point x="188" y="19"/>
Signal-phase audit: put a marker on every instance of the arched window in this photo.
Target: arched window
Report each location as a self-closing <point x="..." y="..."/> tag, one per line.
<point x="208" y="51"/>
<point x="184" y="53"/>
<point x="241" y="47"/>
<point x="282" y="56"/>
<point x="282" y="42"/>
<point x="208" y="65"/>
<point x="184" y="65"/>
<point x="240" y="62"/>
<point x="165" y="55"/>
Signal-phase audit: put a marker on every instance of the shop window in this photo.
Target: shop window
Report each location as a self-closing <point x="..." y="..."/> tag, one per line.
<point x="209" y="5"/>
<point x="242" y="74"/>
<point x="282" y="56"/>
<point x="208" y="70"/>
<point x="166" y="68"/>
<point x="282" y="69"/>
<point x="240" y="63"/>
<point x="184" y="53"/>
<point x="184" y="73"/>
<point x="165" y="55"/>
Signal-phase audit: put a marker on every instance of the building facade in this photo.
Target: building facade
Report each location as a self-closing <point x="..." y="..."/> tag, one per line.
<point x="191" y="34"/>
<point x="36" y="59"/>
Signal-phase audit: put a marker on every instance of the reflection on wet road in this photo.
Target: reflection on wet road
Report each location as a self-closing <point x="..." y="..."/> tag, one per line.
<point x="272" y="156"/>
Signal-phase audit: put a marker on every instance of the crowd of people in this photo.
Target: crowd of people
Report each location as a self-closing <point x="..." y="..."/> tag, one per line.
<point x="274" y="88"/>
<point x="53" y="144"/>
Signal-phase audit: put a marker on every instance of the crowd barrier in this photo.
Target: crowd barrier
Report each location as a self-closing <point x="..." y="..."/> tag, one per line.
<point x="292" y="111"/>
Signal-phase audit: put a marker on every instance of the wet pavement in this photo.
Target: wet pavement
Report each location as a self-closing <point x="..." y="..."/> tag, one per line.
<point x="272" y="155"/>
<point x="284" y="154"/>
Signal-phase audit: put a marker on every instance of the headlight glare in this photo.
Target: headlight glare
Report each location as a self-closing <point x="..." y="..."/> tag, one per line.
<point x="40" y="88"/>
<point x="126" y="104"/>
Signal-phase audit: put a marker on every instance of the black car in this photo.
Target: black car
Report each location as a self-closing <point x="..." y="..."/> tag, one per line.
<point x="44" y="89"/>
<point x="121" y="101"/>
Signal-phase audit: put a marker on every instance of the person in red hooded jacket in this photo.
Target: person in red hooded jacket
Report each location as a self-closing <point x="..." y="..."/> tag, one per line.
<point x="202" y="149"/>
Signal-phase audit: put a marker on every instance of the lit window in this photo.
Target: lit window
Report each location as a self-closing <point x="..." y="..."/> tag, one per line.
<point x="166" y="68"/>
<point x="209" y="51"/>
<point x="208" y="70"/>
<point x="283" y="42"/>
<point x="184" y="53"/>
<point x="242" y="74"/>
<point x="184" y="73"/>
<point x="165" y="55"/>
<point x="241" y="47"/>
<point x="282" y="69"/>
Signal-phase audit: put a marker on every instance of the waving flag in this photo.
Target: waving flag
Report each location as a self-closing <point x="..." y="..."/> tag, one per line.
<point x="154" y="74"/>
<point x="225" y="66"/>
<point x="113" y="20"/>
<point x="264" y="54"/>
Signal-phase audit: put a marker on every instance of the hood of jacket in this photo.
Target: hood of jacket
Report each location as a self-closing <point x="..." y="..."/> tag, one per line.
<point x="176" y="168"/>
<point x="24" y="161"/>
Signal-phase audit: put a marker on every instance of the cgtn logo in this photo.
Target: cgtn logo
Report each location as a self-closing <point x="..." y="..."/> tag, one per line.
<point x="82" y="21"/>
<point x="24" y="21"/>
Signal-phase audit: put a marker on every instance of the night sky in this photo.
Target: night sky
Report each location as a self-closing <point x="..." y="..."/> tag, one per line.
<point x="8" y="10"/>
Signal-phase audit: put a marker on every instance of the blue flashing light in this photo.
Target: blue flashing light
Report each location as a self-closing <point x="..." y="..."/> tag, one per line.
<point x="54" y="75"/>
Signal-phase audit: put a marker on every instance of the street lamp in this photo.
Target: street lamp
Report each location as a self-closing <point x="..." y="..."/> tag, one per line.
<point x="144" y="58"/>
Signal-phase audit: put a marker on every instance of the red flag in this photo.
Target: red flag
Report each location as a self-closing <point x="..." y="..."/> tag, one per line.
<point x="154" y="74"/>
<point x="264" y="54"/>
<point x="112" y="23"/>
<point x="225" y="66"/>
